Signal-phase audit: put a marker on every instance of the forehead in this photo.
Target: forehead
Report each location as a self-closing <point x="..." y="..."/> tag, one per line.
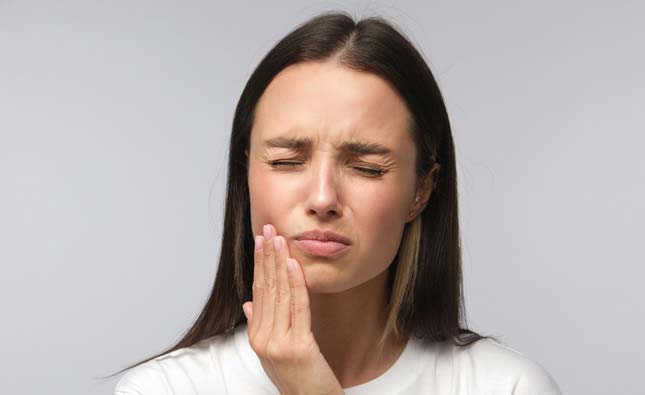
<point x="329" y="103"/>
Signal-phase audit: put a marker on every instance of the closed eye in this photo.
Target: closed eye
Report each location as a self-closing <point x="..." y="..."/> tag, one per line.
<point x="365" y="170"/>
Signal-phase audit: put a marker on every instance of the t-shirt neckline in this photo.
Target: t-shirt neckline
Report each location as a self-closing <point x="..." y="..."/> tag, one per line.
<point x="396" y="377"/>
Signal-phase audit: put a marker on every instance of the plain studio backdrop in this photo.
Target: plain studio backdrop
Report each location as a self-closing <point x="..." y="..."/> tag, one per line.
<point x="114" y="128"/>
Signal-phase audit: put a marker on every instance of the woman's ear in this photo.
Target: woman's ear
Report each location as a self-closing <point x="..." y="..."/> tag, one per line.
<point x="424" y="191"/>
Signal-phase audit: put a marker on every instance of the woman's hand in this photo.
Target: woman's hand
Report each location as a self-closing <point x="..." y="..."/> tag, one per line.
<point x="279" y="322"/>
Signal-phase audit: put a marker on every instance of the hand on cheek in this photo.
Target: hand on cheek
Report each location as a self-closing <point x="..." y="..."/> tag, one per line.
<point x="279" y="321"/>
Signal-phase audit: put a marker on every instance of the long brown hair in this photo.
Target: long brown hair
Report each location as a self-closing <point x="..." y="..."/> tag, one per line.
<point x="425" y="279"/>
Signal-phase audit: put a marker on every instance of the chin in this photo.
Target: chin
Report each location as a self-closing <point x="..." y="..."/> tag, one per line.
<point x="323" y="277"/>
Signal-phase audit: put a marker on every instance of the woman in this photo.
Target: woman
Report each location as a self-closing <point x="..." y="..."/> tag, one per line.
<point x="340" y="262"/>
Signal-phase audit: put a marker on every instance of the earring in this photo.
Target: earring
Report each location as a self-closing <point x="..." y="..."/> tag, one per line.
<point x="416" y="200"/>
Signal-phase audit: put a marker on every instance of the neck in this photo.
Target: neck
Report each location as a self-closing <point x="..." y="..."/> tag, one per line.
<point x="347" y="327"/>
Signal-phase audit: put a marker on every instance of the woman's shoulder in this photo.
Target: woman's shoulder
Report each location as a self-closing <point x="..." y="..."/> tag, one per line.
<point x="501" y="365"/>
<point x="147" y="378"/>
<point x="179" y="371"/>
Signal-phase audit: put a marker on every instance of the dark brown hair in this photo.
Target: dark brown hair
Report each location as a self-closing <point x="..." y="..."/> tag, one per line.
<point x="425" y="278"/>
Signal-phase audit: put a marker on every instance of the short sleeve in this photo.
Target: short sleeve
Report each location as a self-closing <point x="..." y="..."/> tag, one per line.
<point x="145" y="379"/>
<point x="535" y="380"/>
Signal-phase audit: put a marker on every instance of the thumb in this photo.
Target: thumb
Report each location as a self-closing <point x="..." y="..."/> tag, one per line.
<point x="248" y="310"/>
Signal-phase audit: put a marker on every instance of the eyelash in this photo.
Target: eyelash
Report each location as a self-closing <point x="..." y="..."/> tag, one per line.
<point x="370" y="172"/>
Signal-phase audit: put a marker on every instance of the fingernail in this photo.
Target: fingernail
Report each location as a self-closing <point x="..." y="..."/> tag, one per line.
<point x="277" y="243"/>
<point x="267" y="232"/>
<point x="258" y="242"/>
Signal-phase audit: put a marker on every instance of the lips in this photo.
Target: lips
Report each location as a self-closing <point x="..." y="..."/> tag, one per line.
<point x="323" y="236"/>
<point x="322" y="248"/>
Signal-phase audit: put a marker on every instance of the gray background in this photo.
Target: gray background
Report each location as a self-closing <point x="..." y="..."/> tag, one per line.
<point x="114" y="126"/>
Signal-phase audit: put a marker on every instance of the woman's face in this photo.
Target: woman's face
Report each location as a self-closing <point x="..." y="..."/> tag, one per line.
<point x="326" y="184"/>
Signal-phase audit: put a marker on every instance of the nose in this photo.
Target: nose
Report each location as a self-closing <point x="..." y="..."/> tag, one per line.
<point x="322" y="198"/>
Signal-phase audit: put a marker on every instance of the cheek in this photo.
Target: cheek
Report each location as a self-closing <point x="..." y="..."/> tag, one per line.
<point x="267" y="204"/>
<point x="380" y="206"/>
<point x="259" y="204"/>
<point x="380" y="219"/>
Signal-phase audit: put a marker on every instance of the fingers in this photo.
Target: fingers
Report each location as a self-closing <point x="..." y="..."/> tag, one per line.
<point x="258" y="280"/>
<point x="269" y="286"/>
<point x="282" y="319"/>
<point x="300" y="313"/>
<point x="248" y="310"/>
<point x="280" y="297"/>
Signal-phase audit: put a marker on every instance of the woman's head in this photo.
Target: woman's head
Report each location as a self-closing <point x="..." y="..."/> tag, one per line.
<point x="331" y="148"/>
<point x="334" y="81"/>
<point x="329" y="70"/>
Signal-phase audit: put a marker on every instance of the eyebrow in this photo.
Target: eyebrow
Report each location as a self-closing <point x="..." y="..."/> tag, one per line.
<point x="354" y="146"/>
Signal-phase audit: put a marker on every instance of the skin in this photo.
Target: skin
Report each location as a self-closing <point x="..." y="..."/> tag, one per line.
<point x="346" y="296"/>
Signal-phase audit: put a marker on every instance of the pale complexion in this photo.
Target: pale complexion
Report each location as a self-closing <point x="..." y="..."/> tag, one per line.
<point x="326" y="185"/>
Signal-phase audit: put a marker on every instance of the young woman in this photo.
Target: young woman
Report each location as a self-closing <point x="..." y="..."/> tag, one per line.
<point x="340" y="262"/>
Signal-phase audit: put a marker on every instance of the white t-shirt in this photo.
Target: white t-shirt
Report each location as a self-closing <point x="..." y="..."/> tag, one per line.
<point x="226" y="364"/>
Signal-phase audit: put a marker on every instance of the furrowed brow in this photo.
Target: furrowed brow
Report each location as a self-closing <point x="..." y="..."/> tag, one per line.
<point x="364" y="148"/>
<point x="292" y="143"/>
<point x="353" y="147"/>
